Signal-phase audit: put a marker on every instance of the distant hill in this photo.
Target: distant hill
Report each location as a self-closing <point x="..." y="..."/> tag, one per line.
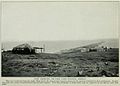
<point x="113" y="43"/>
<point x="110" y="43"/>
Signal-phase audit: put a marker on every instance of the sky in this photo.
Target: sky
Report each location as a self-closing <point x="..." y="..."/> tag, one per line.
<point x="38" y="21"/>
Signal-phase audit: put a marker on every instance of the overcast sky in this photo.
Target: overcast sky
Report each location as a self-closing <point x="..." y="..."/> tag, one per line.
<point x="36" y="21"/>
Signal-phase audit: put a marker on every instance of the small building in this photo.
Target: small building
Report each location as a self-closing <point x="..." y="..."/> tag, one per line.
<point x="102" y="48"/>
<point x="2" y="50"/>
<point x="84" y="50"/>
<point x="38" y="49"/>
<point x="92" y="50"/>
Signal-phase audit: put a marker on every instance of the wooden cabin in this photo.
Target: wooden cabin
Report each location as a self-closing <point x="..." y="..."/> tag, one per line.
<point x="23" y="49"/>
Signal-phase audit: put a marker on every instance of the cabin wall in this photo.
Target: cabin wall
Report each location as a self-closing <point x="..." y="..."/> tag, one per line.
<point x="37" y="51"/>
<point x="22" y="51"/>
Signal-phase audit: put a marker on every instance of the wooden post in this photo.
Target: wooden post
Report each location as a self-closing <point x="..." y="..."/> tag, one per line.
<point x="41" y="49"/>
<point x="44" y="48"/>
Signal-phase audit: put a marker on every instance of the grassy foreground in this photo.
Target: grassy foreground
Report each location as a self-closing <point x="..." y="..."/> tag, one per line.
<point x="77" y="64"/>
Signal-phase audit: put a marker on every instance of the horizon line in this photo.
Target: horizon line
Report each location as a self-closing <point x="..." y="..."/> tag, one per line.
<point x="56" y="40"/>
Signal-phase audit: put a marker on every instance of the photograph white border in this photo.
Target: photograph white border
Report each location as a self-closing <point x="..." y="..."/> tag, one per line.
<point x="85" y="81"/>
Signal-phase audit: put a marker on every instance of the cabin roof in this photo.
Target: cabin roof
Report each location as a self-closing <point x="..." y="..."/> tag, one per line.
<point x="24" y="46"/>
<point x="37" y="47"/>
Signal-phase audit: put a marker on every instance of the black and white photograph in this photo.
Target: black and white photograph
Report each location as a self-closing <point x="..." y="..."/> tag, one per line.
<point x="59" y="39"/>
